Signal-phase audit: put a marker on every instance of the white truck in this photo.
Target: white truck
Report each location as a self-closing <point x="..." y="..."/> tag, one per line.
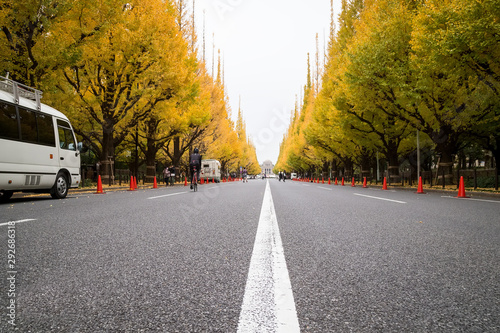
<point x="210" y="170"/>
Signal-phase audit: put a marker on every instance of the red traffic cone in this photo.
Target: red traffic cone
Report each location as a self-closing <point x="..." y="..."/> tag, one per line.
<point x="322" y="180"/>
<point x="202" y="182"/>
<point x="353" y="185"/>
<point x="342" y="181"/>
<point x="185" y="181"/>
<point x="329" y="181"/>
<point x="420" y="189"/>
<point x="384" y="187"/>
<point x="364" y="183"/>
<point x="155" y="184"/>
<point x="99" y="186"/>
<point x="461" y="189"/>
<point x="131" y="188"/>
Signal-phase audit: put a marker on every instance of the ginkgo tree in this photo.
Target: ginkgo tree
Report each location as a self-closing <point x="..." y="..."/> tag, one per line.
<point x="398" y="66"/>
<point x="134" y="61"/>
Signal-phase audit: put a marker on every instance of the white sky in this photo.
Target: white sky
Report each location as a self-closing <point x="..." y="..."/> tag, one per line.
<point x="264" y="46"/>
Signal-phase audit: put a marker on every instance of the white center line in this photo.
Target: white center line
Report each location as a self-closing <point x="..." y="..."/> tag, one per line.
<point x="19" y="221"/>
<point x="369" y="196"/>
<point x="268" y="304"/>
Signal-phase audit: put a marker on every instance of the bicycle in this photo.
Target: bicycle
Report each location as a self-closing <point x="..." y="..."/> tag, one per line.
<point x="194" y="180"/>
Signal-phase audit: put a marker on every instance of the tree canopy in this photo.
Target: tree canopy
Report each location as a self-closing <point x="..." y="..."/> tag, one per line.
<point x="127" y="74"/>
<point x="397" y="66"/>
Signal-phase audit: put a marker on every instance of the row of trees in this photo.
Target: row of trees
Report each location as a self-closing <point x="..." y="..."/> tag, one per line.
<point x="128" y="75"/>
<point x="396" y="68"/>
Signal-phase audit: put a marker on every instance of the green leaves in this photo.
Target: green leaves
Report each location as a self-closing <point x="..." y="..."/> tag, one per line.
<point x="396" y="65"/>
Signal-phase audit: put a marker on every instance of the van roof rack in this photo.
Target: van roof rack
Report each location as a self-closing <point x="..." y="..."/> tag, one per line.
<point x="20" y="90"/>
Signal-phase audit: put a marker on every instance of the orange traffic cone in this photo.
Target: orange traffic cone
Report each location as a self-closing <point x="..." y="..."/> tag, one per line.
<point x="384" y="187"/>
<point x="329" y="181"/>
<point x="185" y="181"/>
<point x="342" y="181"/>
<point x="461" y="189"/>
<point x="99" y="186"/>
<point x="155" y="184"/>
<point x="131" y="188"/>
<point x="364" y="183"/>
<point x="202" y="182"/>
<point x="336" y="181"/>
<point x="322" y="180"/>
<point x="353" y="185"/>
<point x="420" y="189"/>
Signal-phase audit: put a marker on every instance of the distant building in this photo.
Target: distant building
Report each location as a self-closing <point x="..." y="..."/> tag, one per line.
<point x="267" y="168"/>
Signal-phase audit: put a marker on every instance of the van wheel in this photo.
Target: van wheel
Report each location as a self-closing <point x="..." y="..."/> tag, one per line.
<point x="5" y="195"/>
<point x="60" y="188"/>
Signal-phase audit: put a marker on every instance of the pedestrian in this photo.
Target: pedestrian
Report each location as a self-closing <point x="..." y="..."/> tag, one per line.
<point x="245" y="175"/>
<point x="284" y="176"/>
<point x="166" y="176"/>
<point x="172" y="175"/>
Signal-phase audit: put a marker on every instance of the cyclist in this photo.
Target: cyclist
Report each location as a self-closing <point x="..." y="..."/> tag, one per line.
<point x="194" y="161"/>
<point x="245" y="175"/>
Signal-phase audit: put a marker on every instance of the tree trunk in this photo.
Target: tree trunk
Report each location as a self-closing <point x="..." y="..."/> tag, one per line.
<point x="334" y="169"/>
<point x="348" y="168"/>
<point x="366" y="159"/>
<point x="392" y="157"/>
<point x="151" y="160"/>
<point x="446" y="146"/>
<point x="108" y="152"/>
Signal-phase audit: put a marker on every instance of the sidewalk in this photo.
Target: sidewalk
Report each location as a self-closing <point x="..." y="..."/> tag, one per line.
<point x="93" y="190"/>
<point x="123" y="187"/>
<point x="449" y="190"/>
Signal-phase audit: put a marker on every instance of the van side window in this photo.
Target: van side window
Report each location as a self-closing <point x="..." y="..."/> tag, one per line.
<point x="29" y="132"/>
<point x="8" y="122"/>
<point x="66" y="139"/>
<point x="46" y="134"/>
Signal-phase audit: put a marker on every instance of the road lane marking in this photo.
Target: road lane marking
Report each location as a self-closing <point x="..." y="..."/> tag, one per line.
<point x="268" y="304"/>
<point x="378" y="198"/>
<point x="482" y="200"/>
<point x="167" y="195"/>
<point x="16" y="222"/>
<point x="325" y="188"/>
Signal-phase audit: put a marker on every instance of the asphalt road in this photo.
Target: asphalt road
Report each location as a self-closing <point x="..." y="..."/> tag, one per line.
<point x="169" y="260"/>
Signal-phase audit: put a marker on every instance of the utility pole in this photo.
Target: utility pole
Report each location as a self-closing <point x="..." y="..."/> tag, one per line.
<point x="418" y="155"/>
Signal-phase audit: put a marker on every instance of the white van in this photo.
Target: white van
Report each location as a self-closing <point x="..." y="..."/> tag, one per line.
<point x="210" y="170"/>
<point x="38" y="148"/>
<point x="293" y="176"/>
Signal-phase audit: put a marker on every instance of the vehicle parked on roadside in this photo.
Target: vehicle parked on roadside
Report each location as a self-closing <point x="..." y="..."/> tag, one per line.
<point x="39" y="151"/>
<point x="210" y="170"/>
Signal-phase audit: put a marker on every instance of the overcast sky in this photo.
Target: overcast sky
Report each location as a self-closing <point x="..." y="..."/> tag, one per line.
<point x="264" y="46"/>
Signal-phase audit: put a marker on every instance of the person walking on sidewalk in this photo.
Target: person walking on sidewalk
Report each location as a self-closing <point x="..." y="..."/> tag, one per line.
<point x="245" y="175"/>
<point x="172" y="175"/>
<point x="166" y="176"/>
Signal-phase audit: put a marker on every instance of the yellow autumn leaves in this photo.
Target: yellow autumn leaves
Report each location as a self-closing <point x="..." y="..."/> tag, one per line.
<point x="394" y="67"/>
<point x="126" y="73"/>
